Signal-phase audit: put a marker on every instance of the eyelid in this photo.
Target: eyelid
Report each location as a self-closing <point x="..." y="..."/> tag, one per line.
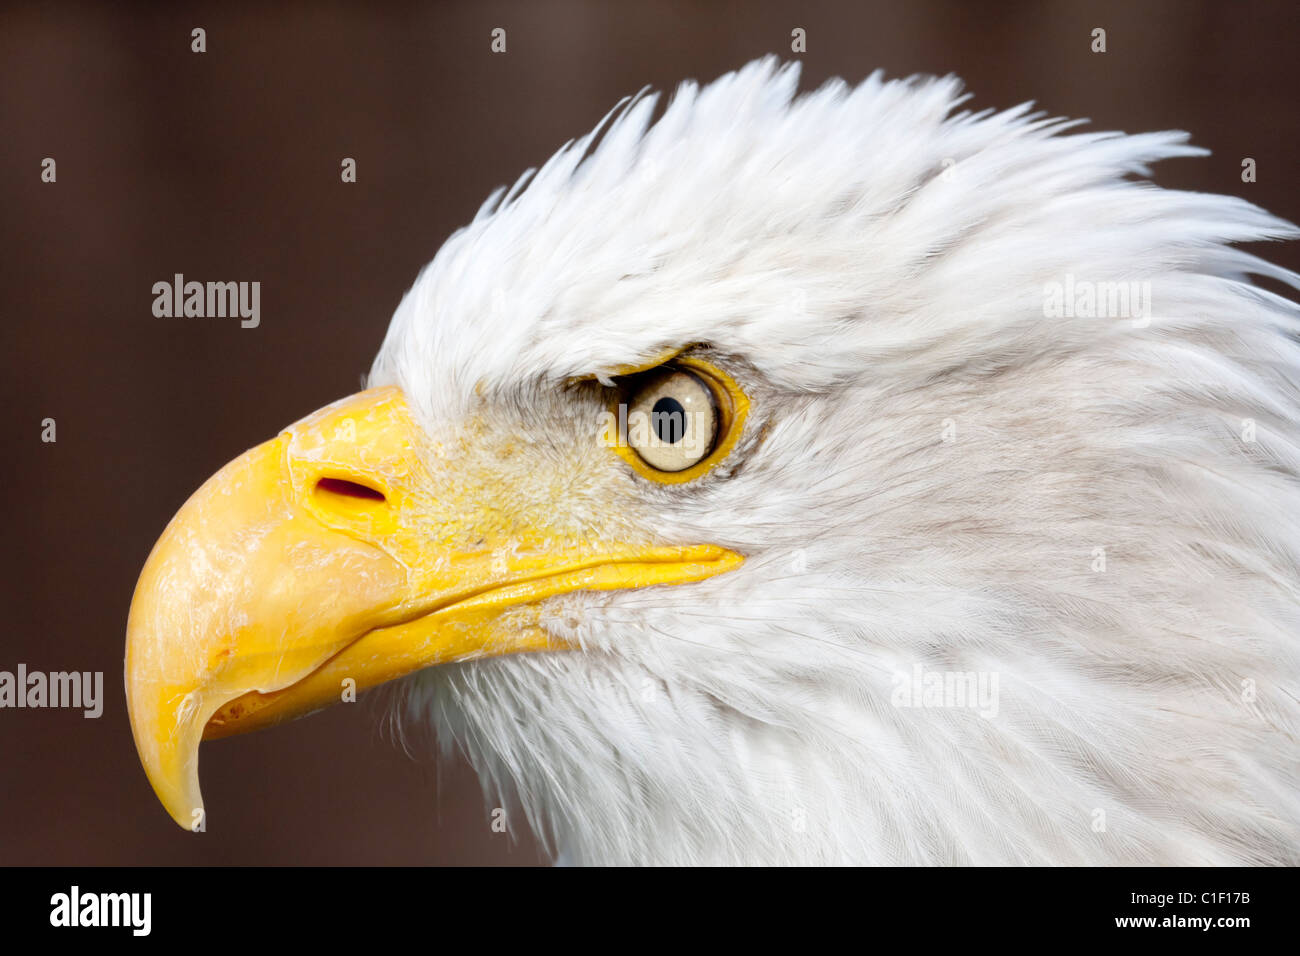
<point x="664" y="358"/>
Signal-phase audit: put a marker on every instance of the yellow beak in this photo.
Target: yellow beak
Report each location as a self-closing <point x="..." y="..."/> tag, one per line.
<point x="331" y="559"/>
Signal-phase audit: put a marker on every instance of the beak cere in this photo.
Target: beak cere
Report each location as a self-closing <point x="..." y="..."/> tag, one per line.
<point x="331" y="559"/>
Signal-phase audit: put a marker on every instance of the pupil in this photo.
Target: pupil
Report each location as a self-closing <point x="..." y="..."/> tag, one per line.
<point x="669" y="420"/>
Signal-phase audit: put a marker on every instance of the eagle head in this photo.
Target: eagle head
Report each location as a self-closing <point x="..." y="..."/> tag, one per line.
<point x="838" y="477"/>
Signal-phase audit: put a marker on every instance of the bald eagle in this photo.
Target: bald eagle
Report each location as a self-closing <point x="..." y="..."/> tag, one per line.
<point x="836" y="477"/>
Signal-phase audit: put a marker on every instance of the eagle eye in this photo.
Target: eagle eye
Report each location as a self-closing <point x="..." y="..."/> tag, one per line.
<point x="679" y="419"/>
<point x="672" y="420"/>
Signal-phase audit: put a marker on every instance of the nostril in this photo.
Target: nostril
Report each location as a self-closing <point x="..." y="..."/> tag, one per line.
<point x="348" y="489"/>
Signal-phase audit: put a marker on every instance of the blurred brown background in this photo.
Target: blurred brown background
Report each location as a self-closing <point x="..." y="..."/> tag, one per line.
<point x="225" y="166"/>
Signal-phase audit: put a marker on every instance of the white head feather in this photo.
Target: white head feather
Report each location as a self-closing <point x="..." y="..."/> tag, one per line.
<point x="930" y="468"/>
